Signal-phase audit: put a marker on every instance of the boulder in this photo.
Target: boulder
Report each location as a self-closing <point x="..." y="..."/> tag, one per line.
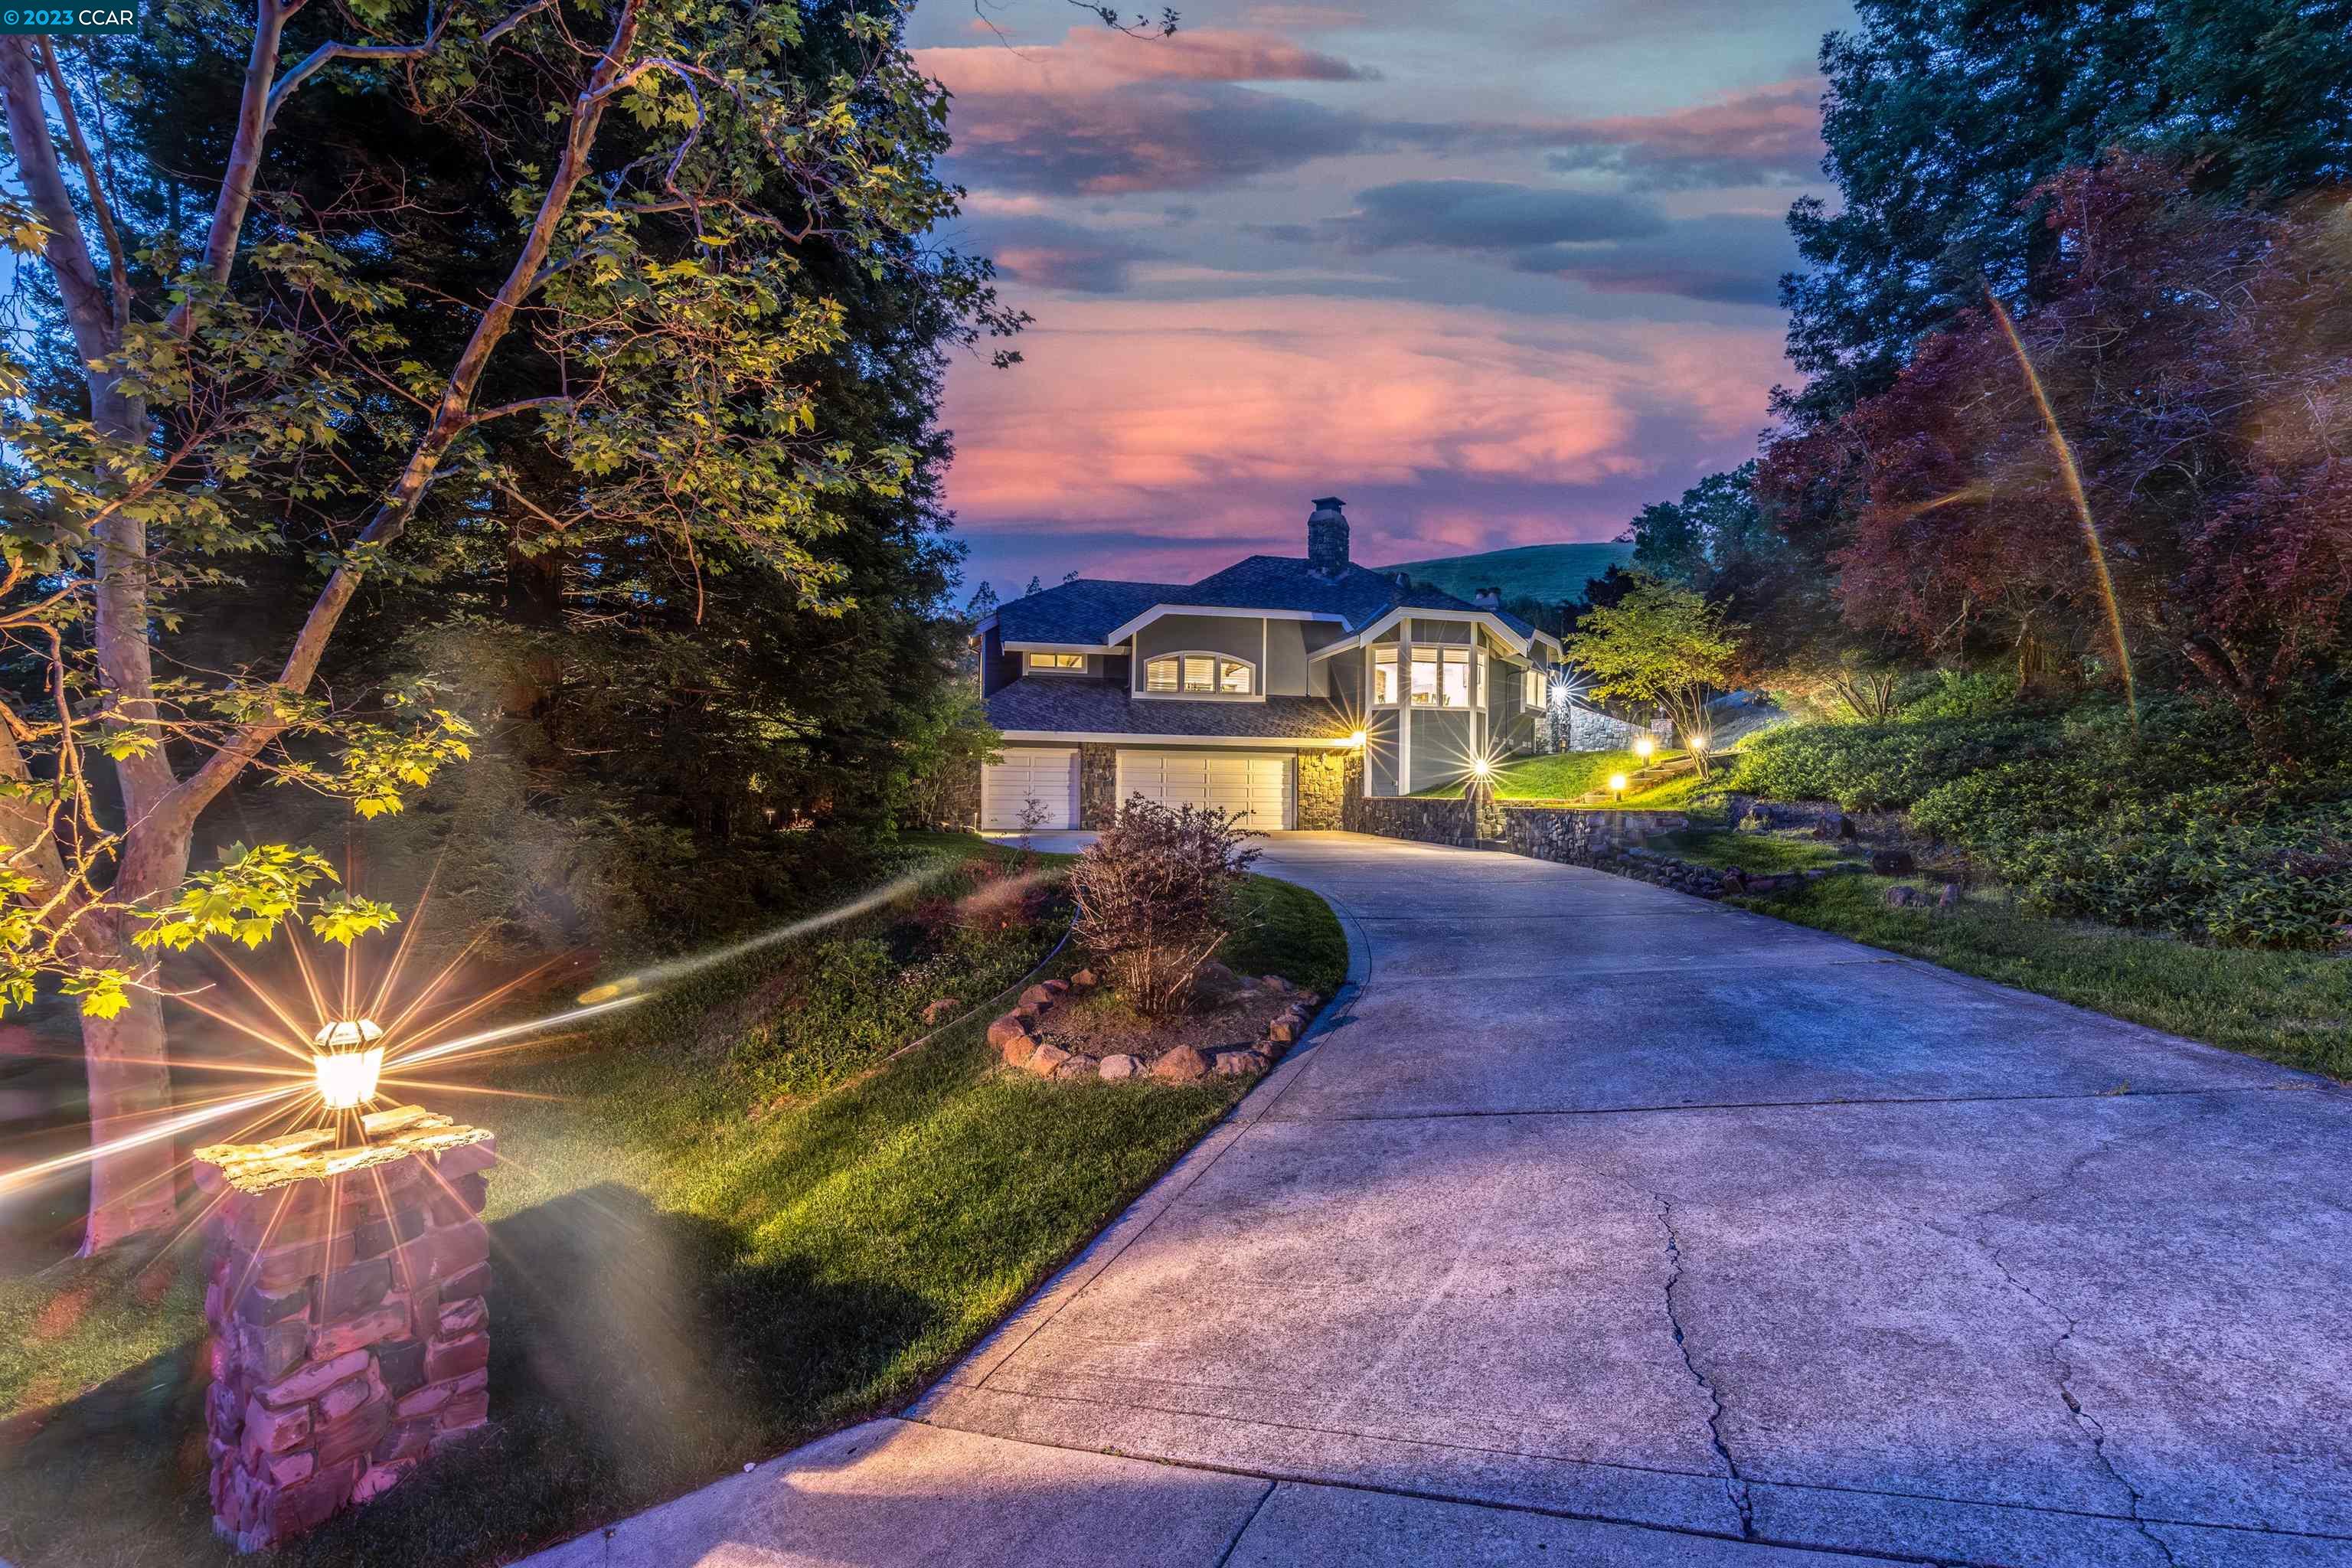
<point x="1119" y="1067"/>
<point x="1085" y="980"/>
<point x="1239" y="1063"/>
<point x="1182" y="1064"/>
<point x="1045" y="1058"/>
<point x="1037" y="996"/>
<point x="1057" y="987"/>
<point x="1734" y="884"/>
<point x="1002" y="1031"/>
<point x="1948" y="897"/>
<point x="1893" y="862"/>
<point x="1904" y="899"/>
<point x="1274" y="983"/>
<point x="1282" y="1029"/>
<point x="1078" y="1066"/>
<point x="942" y="1010"/>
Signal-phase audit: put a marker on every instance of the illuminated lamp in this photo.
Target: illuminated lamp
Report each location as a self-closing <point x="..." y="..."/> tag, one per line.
<point x="347" y="1059"/>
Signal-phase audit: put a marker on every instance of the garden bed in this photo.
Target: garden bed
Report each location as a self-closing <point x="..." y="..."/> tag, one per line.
<point x="682" y="1287"/>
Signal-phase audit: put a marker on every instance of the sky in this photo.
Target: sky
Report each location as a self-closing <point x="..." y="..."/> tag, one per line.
<point x="1494" y="274"/>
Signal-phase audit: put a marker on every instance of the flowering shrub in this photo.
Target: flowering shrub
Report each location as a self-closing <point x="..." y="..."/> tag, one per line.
<point x="1155" y="899"/>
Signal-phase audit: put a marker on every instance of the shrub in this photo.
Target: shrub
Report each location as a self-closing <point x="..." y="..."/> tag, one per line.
<point x="1154" y="894"/>
<point x="1960" y="694"/>
<point x="1862" y="766"/>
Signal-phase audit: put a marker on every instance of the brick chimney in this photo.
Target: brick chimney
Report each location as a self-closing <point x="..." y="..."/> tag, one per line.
<point x="1327" y="537"/>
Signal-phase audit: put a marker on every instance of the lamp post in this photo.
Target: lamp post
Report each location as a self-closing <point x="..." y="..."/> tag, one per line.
<point x="1644" y="747"/>
<point x="1617" y="788"/>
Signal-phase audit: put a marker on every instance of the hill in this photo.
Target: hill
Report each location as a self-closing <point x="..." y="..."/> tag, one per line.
<point x="1550" y="573"/>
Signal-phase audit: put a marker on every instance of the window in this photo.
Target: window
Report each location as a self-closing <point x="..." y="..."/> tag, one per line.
<point x="1385" y="676"/>
<point x="1454" y="689"/>
<point x="1069" y="663"/>
<point x="1533" y="692"/>
<point x="1201" y="674"/>
<point x="1441" y="677"/>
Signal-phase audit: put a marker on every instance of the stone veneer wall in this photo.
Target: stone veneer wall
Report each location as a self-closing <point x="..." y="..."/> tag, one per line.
<point x="1097" y="786"/>
<point x="1425" y="821"/>
<point x="349" y="1312"/>
<point x="1325" y="781"/>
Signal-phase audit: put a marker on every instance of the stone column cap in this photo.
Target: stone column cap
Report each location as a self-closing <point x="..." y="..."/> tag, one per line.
<point x="396" y="1134"/>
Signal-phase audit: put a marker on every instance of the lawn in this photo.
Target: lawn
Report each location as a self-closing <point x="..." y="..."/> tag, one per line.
<point x="1564" y="775"/>
<point x="729" y="1223"/>
<point x="2293" y="1008"/>
<point x="1766" y="852"/>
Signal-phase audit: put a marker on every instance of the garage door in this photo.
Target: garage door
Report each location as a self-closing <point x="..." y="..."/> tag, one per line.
<point x="1046" y="774"/>
<point x="1252" y="785"/>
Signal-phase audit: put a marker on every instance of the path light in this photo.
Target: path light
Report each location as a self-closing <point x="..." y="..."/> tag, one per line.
<point x="1617" y="786"/>
<point x="347" y="1058"/>
<point x="1642" y="746"/>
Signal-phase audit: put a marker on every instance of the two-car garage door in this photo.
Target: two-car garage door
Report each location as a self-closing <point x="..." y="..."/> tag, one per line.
<point x="1255" y="786"/>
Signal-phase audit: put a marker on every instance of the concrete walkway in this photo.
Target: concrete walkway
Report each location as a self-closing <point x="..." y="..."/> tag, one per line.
<point x="1603" y="1225"/>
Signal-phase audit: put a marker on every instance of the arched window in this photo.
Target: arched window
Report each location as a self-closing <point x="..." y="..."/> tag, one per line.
<point x="1200" y="675"/>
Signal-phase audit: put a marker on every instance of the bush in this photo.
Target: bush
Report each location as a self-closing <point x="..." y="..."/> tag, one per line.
<point x="1959" y="694"/>
<point x="1154" y="895"/>
<point x="1866" y="766"/>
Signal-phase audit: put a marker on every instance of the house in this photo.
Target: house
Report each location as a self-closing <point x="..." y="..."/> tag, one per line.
<point x="1280" y="687"/>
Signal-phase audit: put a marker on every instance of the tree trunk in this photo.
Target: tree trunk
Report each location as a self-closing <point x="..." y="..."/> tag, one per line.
<point x="130" y="1190"/>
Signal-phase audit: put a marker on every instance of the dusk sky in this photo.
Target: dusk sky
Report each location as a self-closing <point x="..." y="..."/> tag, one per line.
<point x="1497" y="273"/>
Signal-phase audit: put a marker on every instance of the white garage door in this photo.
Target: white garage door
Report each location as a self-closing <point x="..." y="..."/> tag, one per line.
<point x="1252" y="785"/>
<point x="1048" y="776"/>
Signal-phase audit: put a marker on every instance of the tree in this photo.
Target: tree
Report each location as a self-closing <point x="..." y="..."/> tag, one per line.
<point x="219" y="387"/>
<point x="1711" y="532"/>
<point x="1942" y="116"/>
<point x="2147" y="473"/>
<point x="1663" y="644"/>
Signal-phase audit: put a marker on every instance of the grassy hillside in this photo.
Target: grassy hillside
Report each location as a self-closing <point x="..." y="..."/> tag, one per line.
<point x="1547" y="571"/>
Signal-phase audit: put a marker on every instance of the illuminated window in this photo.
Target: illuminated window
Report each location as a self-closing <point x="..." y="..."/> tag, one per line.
<point x="1424" y="677"/>
<point x="1385" y="676"/>
<point x="1066" y="662"/>
<point x="1204" y="674"/>
<point x="1453" y="690"/>
<point x="1441" y="677"/>
<point x="1531" y="689"/>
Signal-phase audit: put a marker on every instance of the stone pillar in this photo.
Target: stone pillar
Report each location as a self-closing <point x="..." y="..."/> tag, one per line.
<point x="349" y="1311"/>
<point x="1098" y="801"/>
<point x="1323" y="790"/>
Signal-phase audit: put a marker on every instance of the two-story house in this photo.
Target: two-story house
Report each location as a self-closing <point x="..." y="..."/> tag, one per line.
<point x="1276" y="688"/>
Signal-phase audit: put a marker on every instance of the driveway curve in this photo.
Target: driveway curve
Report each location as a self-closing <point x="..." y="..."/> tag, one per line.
<point x="1595" y="1202"/>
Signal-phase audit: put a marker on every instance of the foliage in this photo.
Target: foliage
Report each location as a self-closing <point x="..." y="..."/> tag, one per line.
<point x="1943" y="116"/>
<point x="2293" y="1008"/>
<point x="2194" y="357"/>
<point x="1562" y="775"/>
<point x="1883" y="766"/>
<point x="1660" y="644"/>
<point x="1714" y="524"/>
<point x="1958" y="694"/>
<point x="1155" y="895"/>
<point x="1764" y="852"/>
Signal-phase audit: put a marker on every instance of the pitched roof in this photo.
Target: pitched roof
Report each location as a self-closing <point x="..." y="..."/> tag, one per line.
<point x="1093" y="706"/>
<point x="1087" y="610"/>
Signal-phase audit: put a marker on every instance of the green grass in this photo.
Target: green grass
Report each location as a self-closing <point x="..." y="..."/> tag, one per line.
<point x="682" y="1287"/>
<point x="1766" y="852"/>
<point x="1552" y="572"/>
<point x="1688" y="792"/>
<point x="2293" y="1008"/>
<point x="1564" y="775"/>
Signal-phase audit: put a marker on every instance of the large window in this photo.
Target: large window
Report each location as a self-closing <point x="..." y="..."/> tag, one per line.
<point x="1200" y="675"/>
<point x="1441" y="677"/>
<point x="1385" y="676"/>
<point x="1062" y="663"/>
<point x="1533" y="689"/>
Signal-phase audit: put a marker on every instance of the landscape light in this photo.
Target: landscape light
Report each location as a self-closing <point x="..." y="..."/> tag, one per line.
<point x="1644" y="745"/>
<point x="347" y="1061"/>
<point x="1697" y="742"/>
<point x="1617" y="785"/>
<point x="1482" y="767"/>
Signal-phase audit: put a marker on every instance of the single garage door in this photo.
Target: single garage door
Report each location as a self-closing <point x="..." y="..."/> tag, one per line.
<point x="1255" y="786"/>
<point x="1046" y="774"/>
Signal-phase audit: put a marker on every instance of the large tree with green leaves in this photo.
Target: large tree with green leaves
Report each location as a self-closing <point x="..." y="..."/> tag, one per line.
<point x="658" y="290"/>
<point x="1943" y="116"/>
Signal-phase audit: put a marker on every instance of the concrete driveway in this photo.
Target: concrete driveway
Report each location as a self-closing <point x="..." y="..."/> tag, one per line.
<point x="1603" y="1225"/>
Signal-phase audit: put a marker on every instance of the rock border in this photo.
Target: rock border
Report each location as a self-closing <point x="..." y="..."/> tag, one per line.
<point x="1012" y="1035"/>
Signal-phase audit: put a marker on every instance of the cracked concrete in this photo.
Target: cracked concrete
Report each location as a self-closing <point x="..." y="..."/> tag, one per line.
<point x="1931" y="1289"/>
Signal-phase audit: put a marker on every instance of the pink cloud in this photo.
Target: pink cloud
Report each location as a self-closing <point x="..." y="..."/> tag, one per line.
<point x="1756" y="137"/>
<point x="1093" y="59"/>
<point x="1198" y="428"/>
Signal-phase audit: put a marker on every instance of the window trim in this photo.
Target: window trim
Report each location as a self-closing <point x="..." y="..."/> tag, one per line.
<point x="1532" y="680"/>
<point x="1029" y="664"/>
<point x="1220" y="662"/>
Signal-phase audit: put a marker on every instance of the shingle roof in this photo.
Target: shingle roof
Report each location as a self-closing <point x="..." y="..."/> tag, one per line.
<point x="1095" y="707"/>
<point x="1088" y="610"/>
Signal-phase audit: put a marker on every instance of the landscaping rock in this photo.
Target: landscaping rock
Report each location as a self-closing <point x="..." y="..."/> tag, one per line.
<point x="1038" y="997"/>
<point x="940" y="1010"/>
<point x="1079" y="1067"/>
<point x="1057" y="987"/>
<point x="1045" y="1058"/>
<point x="1239" y="1063"/>
<point x="1949" y="897"/>
<point x="1904" y="899"/>
<point x="1017" y="1049"/>
<point x="1274" y="983"/>
<point x="1183" y="1064"/>
<point x="1002" y="1031"/>
<point x="1734" y="883"/>
<point x="1893" y="862"/>
<point x="1085" y="980"/>
<point x="1119" y="1067"/>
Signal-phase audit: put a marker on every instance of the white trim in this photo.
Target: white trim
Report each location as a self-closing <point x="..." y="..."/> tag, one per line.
<point x="1121" y="634"/>
<point x="1488" y="619"/>
<point x="1107" y="738"/>
<point x="1058" y="647"/>
<point x="1078" y="670"/>
<point x="1217" y="657"/>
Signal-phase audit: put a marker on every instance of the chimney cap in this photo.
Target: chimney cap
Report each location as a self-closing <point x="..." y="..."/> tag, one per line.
<point x="1334" y="502"/>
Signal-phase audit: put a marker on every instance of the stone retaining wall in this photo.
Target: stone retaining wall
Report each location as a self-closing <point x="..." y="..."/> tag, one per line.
<point x="1424" y="821"/>
<point x="1868" y="827"/>
<point x="349" y="1311"/>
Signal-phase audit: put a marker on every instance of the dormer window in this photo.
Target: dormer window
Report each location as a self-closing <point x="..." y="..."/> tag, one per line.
<point x="1058" y="663"/>
<point x="1200" y="675"/>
